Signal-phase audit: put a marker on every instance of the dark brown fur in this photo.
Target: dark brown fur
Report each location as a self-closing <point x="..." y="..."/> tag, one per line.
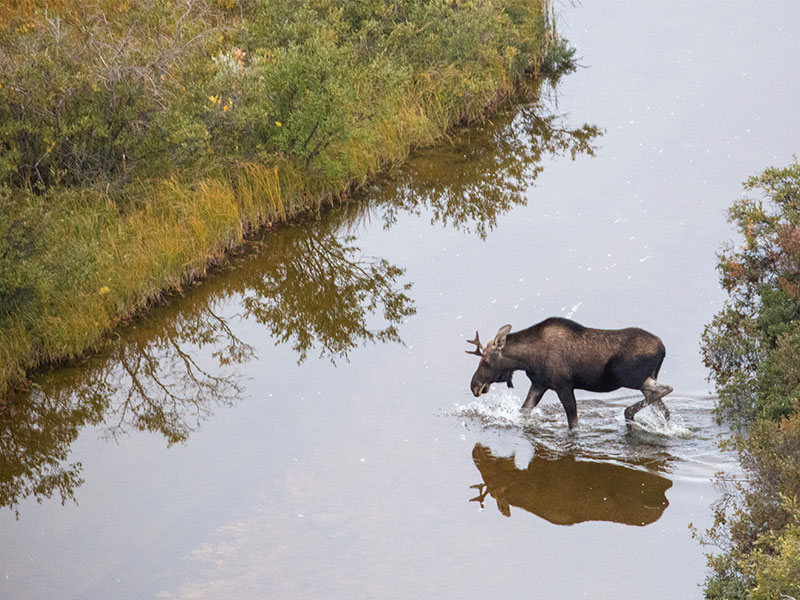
<point x="562" y="355"/>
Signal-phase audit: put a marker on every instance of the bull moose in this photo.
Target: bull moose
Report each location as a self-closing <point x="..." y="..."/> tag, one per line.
<point x="562" y="355"/>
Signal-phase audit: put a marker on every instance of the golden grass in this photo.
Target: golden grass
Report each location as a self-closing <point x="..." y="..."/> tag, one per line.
<point x="181" y="230"/>
<point x="136" y="255"/>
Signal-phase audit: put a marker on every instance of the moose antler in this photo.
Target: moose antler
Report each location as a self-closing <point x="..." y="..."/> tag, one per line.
<point x="478" y="346"/>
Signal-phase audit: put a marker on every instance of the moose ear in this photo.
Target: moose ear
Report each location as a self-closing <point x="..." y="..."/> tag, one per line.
<point x="500" y="338"/>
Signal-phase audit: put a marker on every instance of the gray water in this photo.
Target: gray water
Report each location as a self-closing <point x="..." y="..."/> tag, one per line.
<point x="300" y="425"/>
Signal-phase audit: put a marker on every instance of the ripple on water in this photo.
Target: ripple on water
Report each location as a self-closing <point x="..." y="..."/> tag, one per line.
<point x="685" y="446"/>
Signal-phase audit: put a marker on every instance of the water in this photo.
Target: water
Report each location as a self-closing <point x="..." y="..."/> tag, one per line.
<point x="684" y="447"/>
<point x="266" y="435"/>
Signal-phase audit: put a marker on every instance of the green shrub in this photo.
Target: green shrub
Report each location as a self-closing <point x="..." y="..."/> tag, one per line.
<point x="140" y="140"/>
<point x="751" y="347"/>
<point x="89" y="95"/>
<point x="762" y="278"/>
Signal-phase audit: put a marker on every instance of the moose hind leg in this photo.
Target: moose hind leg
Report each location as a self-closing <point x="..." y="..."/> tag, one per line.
<point x="653" y="392"/>
<point x="663" y="408"/>
<point x="659" y="389"/>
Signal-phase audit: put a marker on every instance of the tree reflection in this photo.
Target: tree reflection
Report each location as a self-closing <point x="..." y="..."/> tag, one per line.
<point x="35" y="436"/>
<point x="159" y="383"/>
<point x="148" y="380"/>
<point x="486" y="170"/>
<point x="310" y="287"/>
<point x="316" y="291"/>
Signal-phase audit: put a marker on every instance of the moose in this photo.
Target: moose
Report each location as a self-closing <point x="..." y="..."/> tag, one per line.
<point x="562" y="355"/>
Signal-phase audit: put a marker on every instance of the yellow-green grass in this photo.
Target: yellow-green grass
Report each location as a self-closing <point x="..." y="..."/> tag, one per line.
<point x="105" y="251"/>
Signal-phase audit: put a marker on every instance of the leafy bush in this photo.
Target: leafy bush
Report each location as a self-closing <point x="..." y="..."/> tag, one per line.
<point x="751" y="347"/>
<point x="747" y="345"/>
<point x="109" y="91"/>
<point x="139" y="140"/>
<point x="90" y="94"/>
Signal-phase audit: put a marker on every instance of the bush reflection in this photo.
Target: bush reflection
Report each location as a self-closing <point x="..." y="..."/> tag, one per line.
<point x="310" y="287"/>
<point x="485" y="170"/>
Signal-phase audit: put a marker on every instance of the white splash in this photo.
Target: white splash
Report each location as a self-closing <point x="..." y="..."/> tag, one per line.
<point x="653" y="421"/>
<point x="497" y="409"/>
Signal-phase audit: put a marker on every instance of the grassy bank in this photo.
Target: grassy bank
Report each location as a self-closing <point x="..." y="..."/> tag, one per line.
<point x="753" y="349"/>
<point x="141" y="140"/>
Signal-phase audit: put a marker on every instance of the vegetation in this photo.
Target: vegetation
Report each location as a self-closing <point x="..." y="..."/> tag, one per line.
<point x="155" y="376"/>
<point x="141" y="140"/>
<point x="752" y="349"/>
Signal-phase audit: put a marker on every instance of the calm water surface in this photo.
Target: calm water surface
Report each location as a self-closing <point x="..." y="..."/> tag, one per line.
<point x="268" y="435"/>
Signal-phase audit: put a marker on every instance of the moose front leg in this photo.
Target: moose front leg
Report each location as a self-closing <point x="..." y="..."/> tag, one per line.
<point x="534" y="395"/>
<point x="567" y="397"/>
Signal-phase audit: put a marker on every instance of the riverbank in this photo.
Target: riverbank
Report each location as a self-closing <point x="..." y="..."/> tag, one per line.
<point x="141" y="142"/>
<point x="751" y="348"/>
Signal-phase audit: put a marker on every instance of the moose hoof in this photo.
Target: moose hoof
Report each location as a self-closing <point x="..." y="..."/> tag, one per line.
<point x="629" y="414"/>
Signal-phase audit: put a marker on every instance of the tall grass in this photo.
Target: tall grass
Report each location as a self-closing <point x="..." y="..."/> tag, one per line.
<point x="139" y="141"/>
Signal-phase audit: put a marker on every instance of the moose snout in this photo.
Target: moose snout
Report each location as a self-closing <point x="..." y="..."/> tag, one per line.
<point x="479" y="388"/>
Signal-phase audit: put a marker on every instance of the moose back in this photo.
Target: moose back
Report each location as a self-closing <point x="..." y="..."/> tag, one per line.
<point x="562" y="355"/>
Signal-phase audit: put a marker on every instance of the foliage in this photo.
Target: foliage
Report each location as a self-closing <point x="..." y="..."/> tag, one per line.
<point x="20" y="239"/>
<point x="751" y="347"/>
<point x="102" y="92"/>
<point x="141" y="140"/>
<point x="748" y="345"/>
<point x="35" y="439"/>
<point x="485" y="169"/>
<point x="156" y="376"/>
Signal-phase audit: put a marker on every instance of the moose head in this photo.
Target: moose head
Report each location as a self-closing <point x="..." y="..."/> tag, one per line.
<point x="494" y="367"/>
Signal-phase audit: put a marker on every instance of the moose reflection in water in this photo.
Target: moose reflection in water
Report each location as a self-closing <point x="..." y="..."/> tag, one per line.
<point x="565" y="490"/>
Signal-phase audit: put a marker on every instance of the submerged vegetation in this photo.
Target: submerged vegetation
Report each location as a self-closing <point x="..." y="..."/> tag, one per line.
<point x="141" y="140"/>
<point x="752" y="349"/>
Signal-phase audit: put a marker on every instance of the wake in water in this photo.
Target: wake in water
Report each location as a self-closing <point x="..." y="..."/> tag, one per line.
<point x="651" y="442"/>
<point x="502" y="409"/>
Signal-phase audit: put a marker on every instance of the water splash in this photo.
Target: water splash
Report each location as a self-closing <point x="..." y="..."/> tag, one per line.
<point x="682" y="446"/>
<point x="498" y="409"/>
<point x="652" y="421"/>
<point x="501" y="409"/>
